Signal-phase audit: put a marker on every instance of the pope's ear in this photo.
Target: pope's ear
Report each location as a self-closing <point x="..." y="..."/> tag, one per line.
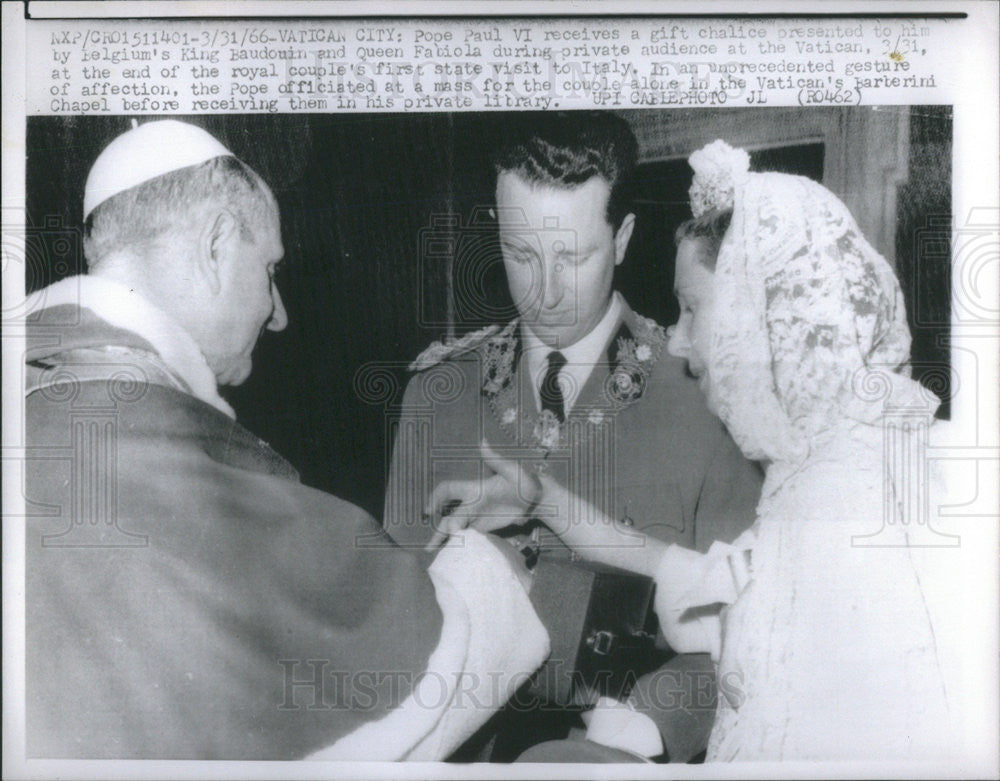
<point x="622" y="237"/>
<point x="220" y="229"/>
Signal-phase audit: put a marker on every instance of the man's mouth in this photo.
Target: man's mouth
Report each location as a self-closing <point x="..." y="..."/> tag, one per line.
<point x="551" y="318"/>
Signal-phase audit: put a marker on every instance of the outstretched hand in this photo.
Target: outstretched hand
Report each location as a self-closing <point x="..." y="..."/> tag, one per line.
<point x="496" y="501"/>
<point x="594" y="535"/>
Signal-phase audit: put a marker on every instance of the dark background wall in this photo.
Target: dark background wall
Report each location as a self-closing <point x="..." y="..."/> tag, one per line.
<point x="390" y="244"/>
<point x="923" y="247"/>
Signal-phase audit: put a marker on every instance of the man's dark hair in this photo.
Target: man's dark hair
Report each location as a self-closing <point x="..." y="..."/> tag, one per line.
<point x="567" y="148"/>
<point x="709" y="228"/>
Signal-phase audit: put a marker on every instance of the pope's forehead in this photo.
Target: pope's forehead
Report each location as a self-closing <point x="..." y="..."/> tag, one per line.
<point x="265" y="229"/>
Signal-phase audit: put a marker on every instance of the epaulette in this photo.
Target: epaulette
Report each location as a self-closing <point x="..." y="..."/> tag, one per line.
<point x="451" y="348"/>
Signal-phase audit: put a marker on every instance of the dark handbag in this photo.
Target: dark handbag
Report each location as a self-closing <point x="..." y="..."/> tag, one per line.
<point x="601" y="626"/>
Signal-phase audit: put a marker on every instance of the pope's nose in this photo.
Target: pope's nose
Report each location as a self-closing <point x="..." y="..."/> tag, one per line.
<point x="279" y="317"/>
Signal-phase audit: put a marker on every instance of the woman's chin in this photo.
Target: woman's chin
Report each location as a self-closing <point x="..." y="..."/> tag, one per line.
<point x="708" y="392"/>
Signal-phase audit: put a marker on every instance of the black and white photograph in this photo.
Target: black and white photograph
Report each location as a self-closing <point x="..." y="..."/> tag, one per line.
<point x="524" y="440"/>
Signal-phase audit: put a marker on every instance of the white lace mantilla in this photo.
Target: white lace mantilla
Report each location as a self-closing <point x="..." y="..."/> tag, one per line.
<point x="828" y="652"/>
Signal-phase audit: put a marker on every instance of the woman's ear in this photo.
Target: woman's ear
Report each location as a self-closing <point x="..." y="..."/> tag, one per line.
<point x="622" y="237"/>
<point x="218" y="232"/>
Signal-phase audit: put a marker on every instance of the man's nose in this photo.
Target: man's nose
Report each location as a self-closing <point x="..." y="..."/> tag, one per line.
<point x="678" y="344"/>
<point x="279" y="317"/>
<point x="554" y="283"/>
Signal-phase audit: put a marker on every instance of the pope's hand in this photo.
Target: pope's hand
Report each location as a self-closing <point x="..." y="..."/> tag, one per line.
<point x="498" y="500"/>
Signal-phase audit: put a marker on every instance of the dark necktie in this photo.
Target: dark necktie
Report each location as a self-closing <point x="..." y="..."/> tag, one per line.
<point x="551" y="392"/>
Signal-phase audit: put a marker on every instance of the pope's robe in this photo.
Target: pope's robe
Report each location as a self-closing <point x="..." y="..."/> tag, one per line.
<point x="187" y="597"/>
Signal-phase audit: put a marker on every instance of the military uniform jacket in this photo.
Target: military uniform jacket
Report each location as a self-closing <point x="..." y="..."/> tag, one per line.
<point x="639" y="443"/>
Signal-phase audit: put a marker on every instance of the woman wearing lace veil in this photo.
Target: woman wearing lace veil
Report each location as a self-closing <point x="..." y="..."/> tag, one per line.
<point x="824" y="617"/>
<point x="796" y="328"/>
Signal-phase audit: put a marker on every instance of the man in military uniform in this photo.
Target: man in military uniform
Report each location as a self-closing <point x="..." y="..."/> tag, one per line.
<point x="578" y="384"/>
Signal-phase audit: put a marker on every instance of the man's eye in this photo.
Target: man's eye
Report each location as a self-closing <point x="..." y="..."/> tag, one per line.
<point x="577" y="257"/>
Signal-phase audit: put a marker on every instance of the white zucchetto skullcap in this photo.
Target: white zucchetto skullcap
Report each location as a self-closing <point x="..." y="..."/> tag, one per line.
<point x="143" y="153"/>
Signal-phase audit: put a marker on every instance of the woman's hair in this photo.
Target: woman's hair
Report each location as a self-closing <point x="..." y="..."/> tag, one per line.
<point x="709" y="228"/>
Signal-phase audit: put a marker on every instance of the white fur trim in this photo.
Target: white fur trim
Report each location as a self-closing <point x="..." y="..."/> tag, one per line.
<point x="491" y="641"/>
<point x="619" y="725"/>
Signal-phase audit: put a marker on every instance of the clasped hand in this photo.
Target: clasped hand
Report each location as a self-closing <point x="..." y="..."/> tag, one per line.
<point x="510" y="495"/>
<point x="501" y="499"/>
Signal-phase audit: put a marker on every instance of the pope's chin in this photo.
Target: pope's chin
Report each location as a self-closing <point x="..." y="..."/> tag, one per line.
<point x="235" y="373"/>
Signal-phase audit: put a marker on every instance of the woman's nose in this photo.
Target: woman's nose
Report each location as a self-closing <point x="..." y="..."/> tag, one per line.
<point x="678" y="343"/>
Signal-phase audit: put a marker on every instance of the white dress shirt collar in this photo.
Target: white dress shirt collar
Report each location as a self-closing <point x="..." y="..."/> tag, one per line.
<point x="580" y="356"/>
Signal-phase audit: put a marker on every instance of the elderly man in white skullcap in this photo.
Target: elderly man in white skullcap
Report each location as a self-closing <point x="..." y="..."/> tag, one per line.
<point x="187" y="597"/>
<point x="174" y="216"/>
